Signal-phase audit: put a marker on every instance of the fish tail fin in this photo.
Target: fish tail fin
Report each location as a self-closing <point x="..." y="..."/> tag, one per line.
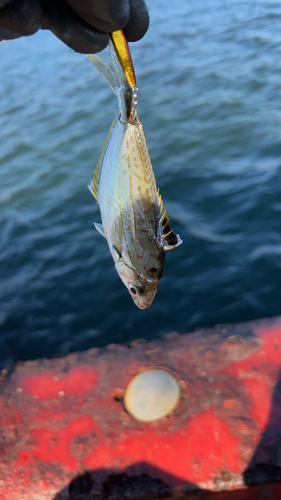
<point x="107" y="71"/>
<point x="115" y="77"/>
<point x="170" y="239"/>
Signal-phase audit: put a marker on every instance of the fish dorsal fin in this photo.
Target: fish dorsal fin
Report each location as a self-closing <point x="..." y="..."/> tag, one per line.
<point x="169" y="238"/>
<point x="161" y="205"/>
<point x="95" y="182"/>
<point x="100" y="229"/>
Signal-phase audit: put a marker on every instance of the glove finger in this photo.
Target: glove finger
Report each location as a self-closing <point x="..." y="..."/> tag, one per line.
<point x="6" y="34"/>
<point x="139" y="21"/>
<point x="63" y="21"/>
<point x="3" y="3"/>
<point x="104" y="15"/>
<point x="21" y="18"/>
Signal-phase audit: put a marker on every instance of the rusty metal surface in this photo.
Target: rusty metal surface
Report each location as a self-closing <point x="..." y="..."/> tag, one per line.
<point x="64" y="433"/>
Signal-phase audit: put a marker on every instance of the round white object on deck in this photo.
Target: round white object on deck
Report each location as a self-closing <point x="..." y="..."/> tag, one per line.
<point x="152" y="394"/>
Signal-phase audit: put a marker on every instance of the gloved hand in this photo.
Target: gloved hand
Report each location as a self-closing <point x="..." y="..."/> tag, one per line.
<point x="82" y="24"/>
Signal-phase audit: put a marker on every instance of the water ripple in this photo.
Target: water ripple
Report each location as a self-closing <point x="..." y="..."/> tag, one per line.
<point x="210" y="104"/>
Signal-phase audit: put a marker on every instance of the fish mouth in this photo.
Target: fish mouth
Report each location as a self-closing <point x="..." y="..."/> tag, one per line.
<point x="145" y="301"/>
<point x="141" y="306"/>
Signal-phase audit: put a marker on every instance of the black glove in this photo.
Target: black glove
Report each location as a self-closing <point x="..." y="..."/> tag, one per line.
<point x="19" y="18"/>
<point x="82" y="24"/>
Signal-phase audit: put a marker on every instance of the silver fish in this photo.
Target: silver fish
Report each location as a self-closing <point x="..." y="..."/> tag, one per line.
<point x="134" y="220"/>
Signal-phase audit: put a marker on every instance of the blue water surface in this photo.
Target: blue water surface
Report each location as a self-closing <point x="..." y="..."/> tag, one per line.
<point x="210" y="103"/>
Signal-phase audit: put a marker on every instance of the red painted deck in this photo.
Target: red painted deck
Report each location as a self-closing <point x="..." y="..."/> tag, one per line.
<point x="65" y="433"/>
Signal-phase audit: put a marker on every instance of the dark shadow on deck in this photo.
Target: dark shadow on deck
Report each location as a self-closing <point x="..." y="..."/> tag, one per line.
<point x="104" y="484"/>
<point x="265" y="466"/>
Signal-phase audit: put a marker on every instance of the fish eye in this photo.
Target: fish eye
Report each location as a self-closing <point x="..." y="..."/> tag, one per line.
<point x="133" y="290"/>
<point x="153" y="270"/>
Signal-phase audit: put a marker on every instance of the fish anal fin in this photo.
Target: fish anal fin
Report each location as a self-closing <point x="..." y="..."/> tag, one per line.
<point x="93" y="190"/>
<point x="100" y="229"/>
<point x="94" y="186"/>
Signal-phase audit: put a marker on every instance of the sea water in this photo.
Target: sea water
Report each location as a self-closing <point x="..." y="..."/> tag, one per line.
<point x="210" y="103"/>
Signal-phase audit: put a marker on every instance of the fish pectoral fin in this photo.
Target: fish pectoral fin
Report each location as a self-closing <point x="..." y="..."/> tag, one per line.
<point x="116" y="252"/>
<point x="100" y="229"/>
<point x="116" y="235"/>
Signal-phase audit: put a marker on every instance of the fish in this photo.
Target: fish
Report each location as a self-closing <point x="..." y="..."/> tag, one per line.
<point x="134" y="220"/>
